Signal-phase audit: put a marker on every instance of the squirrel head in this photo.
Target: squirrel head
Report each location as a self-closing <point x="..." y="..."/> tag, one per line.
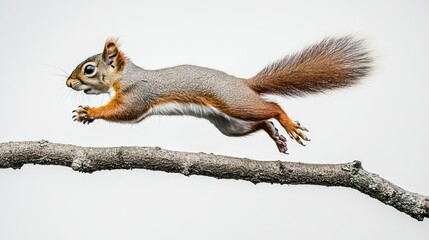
<point x="98" y="73"/>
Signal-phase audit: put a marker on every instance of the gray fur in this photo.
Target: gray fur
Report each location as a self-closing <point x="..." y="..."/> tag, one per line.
<point x="186" y="80"/>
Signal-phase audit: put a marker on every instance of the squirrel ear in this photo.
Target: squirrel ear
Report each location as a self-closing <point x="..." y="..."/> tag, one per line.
<point x="113" y="56"/>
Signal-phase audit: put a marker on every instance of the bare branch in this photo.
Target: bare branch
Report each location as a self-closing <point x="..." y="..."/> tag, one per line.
<point x="88" y="159"/>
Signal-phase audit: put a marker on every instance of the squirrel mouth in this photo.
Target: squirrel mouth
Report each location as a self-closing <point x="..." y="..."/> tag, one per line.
<point x="87" y="90"/>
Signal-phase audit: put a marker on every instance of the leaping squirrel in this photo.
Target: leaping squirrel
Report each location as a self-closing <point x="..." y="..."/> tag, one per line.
<point x="234" y="105"/>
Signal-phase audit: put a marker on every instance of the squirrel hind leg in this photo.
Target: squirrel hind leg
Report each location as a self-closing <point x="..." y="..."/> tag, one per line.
<point x="261" y="111"/>
<point x="273" y="132"/>
<point x="236" y="127"/>
<point x="233" y="127"/>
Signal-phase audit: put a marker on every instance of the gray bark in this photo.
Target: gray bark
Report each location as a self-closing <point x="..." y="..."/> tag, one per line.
<point x="88" y="159"/>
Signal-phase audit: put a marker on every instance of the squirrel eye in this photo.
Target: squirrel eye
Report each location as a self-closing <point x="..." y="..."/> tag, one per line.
<point x="89" y="70"/>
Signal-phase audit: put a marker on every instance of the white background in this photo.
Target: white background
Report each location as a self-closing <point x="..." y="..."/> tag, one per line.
<point x="382" y="122"/>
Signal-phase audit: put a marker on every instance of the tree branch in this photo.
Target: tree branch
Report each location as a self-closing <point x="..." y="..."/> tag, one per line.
<point x="87" y="159"/>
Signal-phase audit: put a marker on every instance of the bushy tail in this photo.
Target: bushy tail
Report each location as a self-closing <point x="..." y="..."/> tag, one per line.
<point x="330" y="64"/>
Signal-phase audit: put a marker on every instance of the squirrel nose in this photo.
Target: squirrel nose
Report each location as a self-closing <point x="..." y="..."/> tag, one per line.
<point x="69" y="82"/>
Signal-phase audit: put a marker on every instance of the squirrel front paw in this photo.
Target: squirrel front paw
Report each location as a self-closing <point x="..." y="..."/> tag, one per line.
<point x="82" y="115"/>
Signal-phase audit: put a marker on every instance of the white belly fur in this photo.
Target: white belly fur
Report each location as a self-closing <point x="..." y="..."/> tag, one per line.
<point x="226" y="124"/>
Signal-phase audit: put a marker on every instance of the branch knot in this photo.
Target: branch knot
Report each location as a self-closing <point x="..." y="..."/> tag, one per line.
<point x="352" y="167"/>
<point x="43" y="142"/>
<point x="81" y="162"/>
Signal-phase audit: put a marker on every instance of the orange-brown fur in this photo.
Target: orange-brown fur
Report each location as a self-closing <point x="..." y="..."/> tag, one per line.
<point x="330" y="64"/>
<point x="113" y="110"/>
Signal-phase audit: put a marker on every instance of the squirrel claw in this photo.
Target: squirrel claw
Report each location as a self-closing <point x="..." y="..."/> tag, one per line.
<point x="279" y="139"/>
<point x="281" y="145"/>
<point x="82" y="115"/>
<point x="296" y="133"/>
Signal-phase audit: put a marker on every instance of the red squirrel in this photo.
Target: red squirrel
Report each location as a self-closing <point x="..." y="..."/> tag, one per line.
<point x="234" y="105"/>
